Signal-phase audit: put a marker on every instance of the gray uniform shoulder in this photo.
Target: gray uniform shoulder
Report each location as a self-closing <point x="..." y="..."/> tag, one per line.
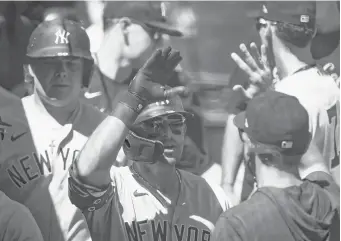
<point x="17" y="222"/>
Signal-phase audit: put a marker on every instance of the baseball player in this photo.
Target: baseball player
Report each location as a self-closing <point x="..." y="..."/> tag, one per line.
<point x="132" y="31"/>
<point x="286" y="40"/>
<point x="275" y="127"/>
<point x="44" y="132"/>
<point x="151" y="199"/>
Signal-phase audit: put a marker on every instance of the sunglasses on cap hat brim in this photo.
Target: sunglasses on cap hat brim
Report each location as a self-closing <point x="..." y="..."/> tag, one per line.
<point x="164" y="28"/>
<point x="172" y="117"/>
<point x="170" y="113"/>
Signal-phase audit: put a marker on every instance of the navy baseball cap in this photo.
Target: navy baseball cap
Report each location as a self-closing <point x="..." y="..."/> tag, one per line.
<point x="276" y="119"/>
<point x="294" y="12"/>
<point x="152" y="14"/>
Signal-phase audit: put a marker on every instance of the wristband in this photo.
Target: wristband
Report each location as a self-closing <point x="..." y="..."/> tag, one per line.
<point x="128" y="108"/>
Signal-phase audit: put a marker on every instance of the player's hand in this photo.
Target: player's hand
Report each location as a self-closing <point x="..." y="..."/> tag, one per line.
<point x="257" y="67"/>
<point x="150" y="81"/>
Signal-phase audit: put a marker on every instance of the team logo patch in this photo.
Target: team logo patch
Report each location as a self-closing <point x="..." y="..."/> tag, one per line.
<point x="62" y="37"/>
<point x="287" y="144"/>
<point x="304" y="19"/>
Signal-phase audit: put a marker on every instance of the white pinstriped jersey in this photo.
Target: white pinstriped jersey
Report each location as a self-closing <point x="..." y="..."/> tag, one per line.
<point x="134" y="211"/>
<point x="35" y="154"/>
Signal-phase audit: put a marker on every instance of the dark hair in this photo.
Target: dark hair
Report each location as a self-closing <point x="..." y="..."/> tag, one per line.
<point x="300" y="36"/>
<point x="280" y="162"/>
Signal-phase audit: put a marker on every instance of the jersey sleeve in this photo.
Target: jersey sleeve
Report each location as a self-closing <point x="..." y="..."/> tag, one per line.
<point x="86" y="197"/>
<point x="101" y="209"/>
<point x="22" y="226"/>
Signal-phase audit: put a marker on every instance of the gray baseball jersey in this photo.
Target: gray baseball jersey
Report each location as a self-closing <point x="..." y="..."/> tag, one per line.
<point x="129" y="209"/>
<point x="16" y="222"/>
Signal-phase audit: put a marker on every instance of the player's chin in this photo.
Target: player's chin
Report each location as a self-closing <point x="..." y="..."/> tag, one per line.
<point x="57" y="102"/>
<point x="169" y="159"/>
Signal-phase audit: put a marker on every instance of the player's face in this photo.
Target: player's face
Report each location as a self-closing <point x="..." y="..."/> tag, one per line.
<point x="58" y="81"/>
<point x="141" y="41"/>
<point x="170" y="130"/>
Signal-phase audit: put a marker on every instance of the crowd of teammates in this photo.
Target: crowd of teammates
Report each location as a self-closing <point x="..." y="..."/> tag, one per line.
<point x="104" y="147"/>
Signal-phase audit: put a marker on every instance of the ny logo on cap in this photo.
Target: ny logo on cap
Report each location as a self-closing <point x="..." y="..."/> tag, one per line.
<point x="304" y="19"/>
<point x="62" y="37"/>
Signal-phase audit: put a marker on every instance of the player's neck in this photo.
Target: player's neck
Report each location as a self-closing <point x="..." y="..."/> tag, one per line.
<point x="272" y="177"/>
<point x="160" y="176"/>
<point x="61" y="114"/>
<point x="287" y="62"/>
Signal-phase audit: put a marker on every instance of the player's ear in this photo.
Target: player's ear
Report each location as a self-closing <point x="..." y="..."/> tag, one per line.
<point x="124" y="24"/>
<point x="185" y="129"/>
<point x="315" y="32"/>
<point x="28" y="73"/>
<point x="28" y="79"/>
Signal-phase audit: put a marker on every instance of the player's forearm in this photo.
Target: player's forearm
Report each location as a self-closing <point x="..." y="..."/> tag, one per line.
<point x="232" y="152"/>
<point x="100" y="152"/>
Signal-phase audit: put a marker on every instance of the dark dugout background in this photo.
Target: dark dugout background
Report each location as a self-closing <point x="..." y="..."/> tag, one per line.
<point x="217" y="30"/>
<point x="213" y="30"/>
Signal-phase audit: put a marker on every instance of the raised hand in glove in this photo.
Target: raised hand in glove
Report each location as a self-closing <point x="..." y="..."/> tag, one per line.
<point x="155" y="74"/>
<point x="149" y="85"/>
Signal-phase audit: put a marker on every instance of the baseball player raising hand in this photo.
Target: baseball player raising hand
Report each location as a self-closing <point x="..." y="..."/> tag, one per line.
<point x="151" y="199"/>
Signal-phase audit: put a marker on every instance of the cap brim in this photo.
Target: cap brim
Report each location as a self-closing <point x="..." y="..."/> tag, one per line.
<point x="164" y="28"/>
<point x="324" y="44"/>
<point x="239" y="120"/>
